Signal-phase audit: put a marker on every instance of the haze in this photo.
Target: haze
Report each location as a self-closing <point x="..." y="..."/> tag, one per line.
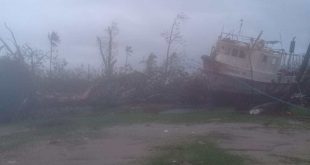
<point x="142" y="21"/>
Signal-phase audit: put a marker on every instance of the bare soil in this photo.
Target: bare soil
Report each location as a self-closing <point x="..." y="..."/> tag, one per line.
<point x="119" y="145"/>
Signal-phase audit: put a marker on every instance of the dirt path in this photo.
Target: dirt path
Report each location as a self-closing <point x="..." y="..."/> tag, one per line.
<point x="122" y="144"/>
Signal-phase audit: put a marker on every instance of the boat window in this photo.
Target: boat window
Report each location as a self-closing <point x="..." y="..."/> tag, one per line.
<point x="274" y="61"/>
<point x="241" y="54"/>
<point x="235" y="52"/>
<point x="227" y="51"/>
<point x="265" y="59"/>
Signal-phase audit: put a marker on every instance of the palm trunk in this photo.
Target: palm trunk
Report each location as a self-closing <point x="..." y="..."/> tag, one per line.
<point x="51" y="58"/>
<point x="168" y="48"/>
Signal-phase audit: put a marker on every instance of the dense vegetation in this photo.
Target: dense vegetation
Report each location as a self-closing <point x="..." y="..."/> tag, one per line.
<point x="32" y="79"/>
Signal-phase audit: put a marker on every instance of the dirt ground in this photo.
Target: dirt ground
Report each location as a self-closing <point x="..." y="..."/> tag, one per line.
<point x="119" y="145"/>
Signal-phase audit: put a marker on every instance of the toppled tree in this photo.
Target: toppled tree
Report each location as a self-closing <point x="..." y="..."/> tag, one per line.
<point x="107" y="48"/>
<point x="16" y="81"/>
<point x="12" y="51"/>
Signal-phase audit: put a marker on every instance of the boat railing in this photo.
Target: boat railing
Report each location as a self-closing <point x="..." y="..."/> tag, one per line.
<point x="236" y="37"/>
<point x="291" y="61"/>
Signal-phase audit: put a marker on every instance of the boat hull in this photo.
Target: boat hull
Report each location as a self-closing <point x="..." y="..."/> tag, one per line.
<point x="220" y="84"/>
<point x="225" y="83"/>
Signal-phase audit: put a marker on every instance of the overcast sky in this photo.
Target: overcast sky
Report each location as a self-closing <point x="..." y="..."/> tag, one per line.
<point x="141" y="22"/>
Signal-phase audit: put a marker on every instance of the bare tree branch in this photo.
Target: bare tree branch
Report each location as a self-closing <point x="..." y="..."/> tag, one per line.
<point x="101" y="51"/>
<point x="18" y="51"/>
<point x="174" y="35"/>
<point x="108" y="57"/>
<point x="7" y="47"/>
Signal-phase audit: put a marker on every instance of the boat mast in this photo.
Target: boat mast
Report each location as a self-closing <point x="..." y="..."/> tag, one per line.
<point x="251" y="65"/>
<point x="303" y="66"/>
<point x="292" y="48"/>
<point x="240" y="28"/>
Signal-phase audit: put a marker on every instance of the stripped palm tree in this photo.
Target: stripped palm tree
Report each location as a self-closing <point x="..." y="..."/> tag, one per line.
<point x="54" y="40"/>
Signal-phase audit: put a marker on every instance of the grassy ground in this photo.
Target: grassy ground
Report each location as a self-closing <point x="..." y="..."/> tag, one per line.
<point x="300" y="112"/>
<point x="88" y="121"/>
<point x="198" y="152"/>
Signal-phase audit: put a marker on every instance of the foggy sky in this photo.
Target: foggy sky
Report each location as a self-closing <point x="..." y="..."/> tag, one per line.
<point x="141" y="22"/>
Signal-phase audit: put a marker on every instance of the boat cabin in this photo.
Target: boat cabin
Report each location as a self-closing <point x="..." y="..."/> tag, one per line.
<point x="249" y="59"/>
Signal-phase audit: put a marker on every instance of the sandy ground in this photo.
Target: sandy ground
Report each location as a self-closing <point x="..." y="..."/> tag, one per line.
<point x="123" y="144"/>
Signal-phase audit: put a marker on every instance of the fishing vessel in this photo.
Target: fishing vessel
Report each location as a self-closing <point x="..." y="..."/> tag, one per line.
<point x="243" y="65"/>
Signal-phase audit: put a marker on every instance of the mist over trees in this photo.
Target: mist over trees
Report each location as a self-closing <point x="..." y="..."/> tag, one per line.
<point x="33" y="78"/>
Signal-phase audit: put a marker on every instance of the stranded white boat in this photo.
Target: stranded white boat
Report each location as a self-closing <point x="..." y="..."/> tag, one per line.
<point x="246" y="65"/>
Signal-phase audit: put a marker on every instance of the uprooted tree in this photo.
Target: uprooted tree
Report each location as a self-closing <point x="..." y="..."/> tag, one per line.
<point x="16" y="80"/>
<point x="12" y="51"/>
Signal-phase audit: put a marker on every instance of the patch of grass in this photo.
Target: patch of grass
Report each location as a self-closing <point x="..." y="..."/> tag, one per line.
<point x="99" y="119"/>
<point x="36" y="131"/>
<point x="292" y="160"/>
<point x="12" y="141"/>
<point x="193" y="153"/>
<point x="305" y="112"/>
<point x="75" y="124"/>
<point x="206" y="116"/>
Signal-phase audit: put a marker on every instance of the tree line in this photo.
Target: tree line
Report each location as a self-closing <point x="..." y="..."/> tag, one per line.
<point x="30" y="76"/>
